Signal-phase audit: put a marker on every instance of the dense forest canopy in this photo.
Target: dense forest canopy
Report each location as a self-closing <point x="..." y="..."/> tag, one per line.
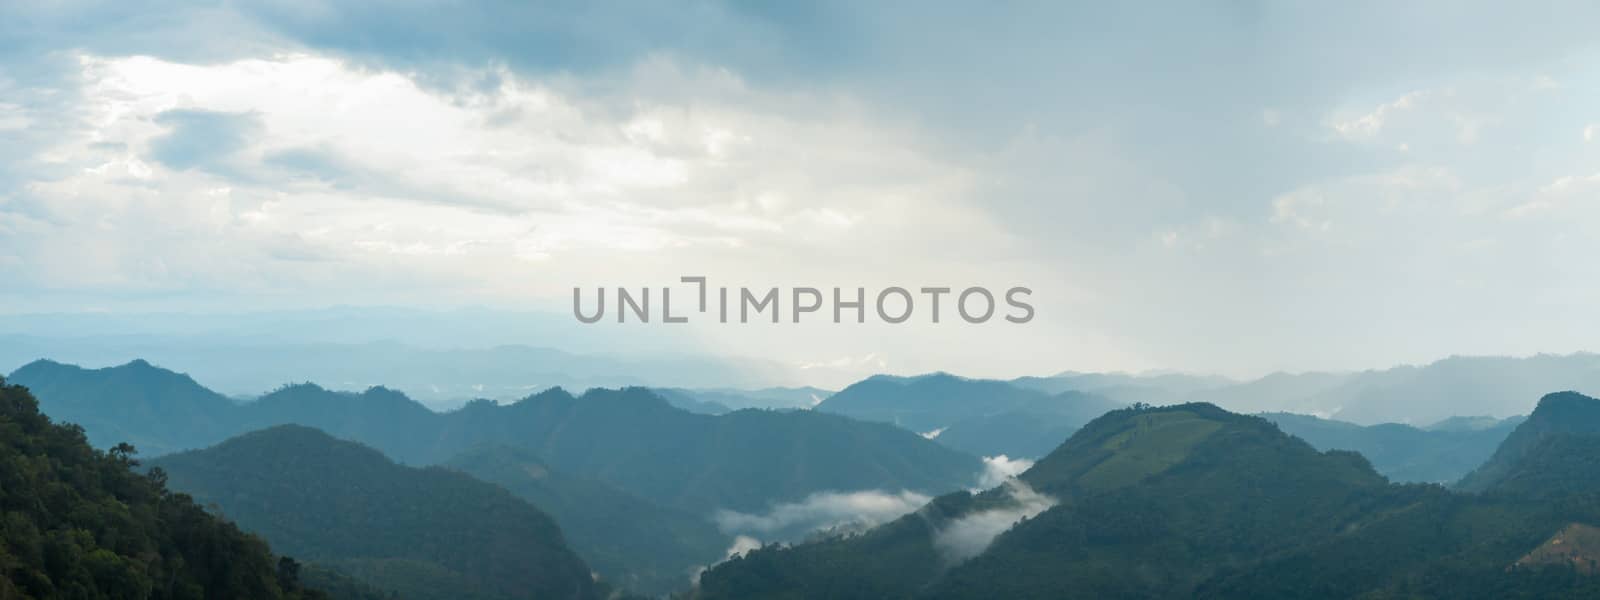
<point x="80" y="523"/>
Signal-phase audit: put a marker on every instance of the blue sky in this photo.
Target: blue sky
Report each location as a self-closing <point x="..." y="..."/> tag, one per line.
<point x="1234" y="187"/>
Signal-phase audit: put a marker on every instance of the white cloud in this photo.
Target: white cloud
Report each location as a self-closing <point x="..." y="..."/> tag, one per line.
<point x="378" y="179"/>
<point x="822" y="511"/>
<point x="1560" y="192"/>
<point x="1000" y="469"/>
<point x="971" y="534"/>
<point x="1369" y="125"/>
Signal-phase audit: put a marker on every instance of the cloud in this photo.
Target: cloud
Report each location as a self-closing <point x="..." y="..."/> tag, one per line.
<point x="822" y="511"/>
<point x="971" y="534"/>
<point x="373" y="154"/>
<point x="741" y="544"/>
<point x="1371" y="124"/>
<point x="1000" y="469"/>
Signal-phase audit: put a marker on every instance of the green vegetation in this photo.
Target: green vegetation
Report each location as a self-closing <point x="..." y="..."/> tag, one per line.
<point x="425" y="533"/>
<point x="1558" y="415"/>
<point x="631" y="542"/>
<point x="79" y="523"/>
<point x="155" y="410"/>
<point x="1193" y="501"/>
<point x="1441" y="454"/>
<point x="629" y="439"/>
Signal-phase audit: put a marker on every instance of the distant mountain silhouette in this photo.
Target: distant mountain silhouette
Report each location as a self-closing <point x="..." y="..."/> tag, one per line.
<point x="980" y="416"/>
<point x="720" y="400"/>
<point x="631" y="439"/>
<point x="1127" y="388"/>
<point x="425" y="533"/>
<point x="1027" y="430"/>
<point x="154" y="409"/>
<point x="1459" y="385"/>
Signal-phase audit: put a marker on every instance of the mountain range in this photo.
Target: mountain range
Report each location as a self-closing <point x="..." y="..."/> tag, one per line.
<point x="429" y="533"/>
<point x="978" y="416"/>
<point x="1440" y="453"/>
<point x="1193" y="501"/>
<point x="632" y="542"/>
<point x="82" y="523"/>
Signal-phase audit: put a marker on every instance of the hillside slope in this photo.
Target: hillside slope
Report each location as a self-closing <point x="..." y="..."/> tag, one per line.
<point x="426" y="533"/>
<point x="79" y="523"/>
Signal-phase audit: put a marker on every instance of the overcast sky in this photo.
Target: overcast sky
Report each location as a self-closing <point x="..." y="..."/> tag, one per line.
<point x="1232" y="187"/>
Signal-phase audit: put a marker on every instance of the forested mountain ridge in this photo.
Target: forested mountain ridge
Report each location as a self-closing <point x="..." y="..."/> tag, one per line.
<point x="1193" y="501"/>
<point x="80" y="523"/>
<point x="630" y="439"/>
<point x="425" y="533"/>
<point x="631" y="542"/>
<point x="156" y="410"/>
<point x="1557" y="414"/>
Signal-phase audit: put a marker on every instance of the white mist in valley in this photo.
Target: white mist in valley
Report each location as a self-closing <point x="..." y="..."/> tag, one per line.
<point x="822" y="511"/>
<point x="971" y="534"/>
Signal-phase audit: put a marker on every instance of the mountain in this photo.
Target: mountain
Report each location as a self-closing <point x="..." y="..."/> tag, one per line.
<point x="1554" y="466"/>
<point x="1028" y="430"/>
<point x="425" y="533"/>
<point x="630" y="439"/>
<point x="439" y="357"/>
<point x="933" y="402"/>
<point x="928" y="402"/>
<point x="691" y="401"/>
<point x="744" y="460"/>
<point x="1558" y="415"/>
<point x="156" y="410"/>
<point x="1275" y="392"/>
<point x="631" y="542"/>
<point x="1439" y="454"/>
<point x="977" y="416"/>
<point x="1127" y="388"/>
<point x="79" y="523"/>
<point x="1459" y="385"/>
<point x="1125" y="489"/>
<point x="1190" y="501"/>
<point x="720" y="400"/>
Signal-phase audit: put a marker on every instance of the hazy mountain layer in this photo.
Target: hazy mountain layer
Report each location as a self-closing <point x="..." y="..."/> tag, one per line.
<point x="631" y="439"/>
<point x="1441" y="454"/>
<point x="983" y="417"/>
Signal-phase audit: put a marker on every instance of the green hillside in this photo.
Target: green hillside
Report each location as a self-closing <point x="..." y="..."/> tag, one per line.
<point x="80" y="523"/>
<point x="631" y="542"/>
<point x="1557" y="414"/>
<point x="426" y="533"/>
<point x="1193" y="501"/>
<point x="1442" y="453"/>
